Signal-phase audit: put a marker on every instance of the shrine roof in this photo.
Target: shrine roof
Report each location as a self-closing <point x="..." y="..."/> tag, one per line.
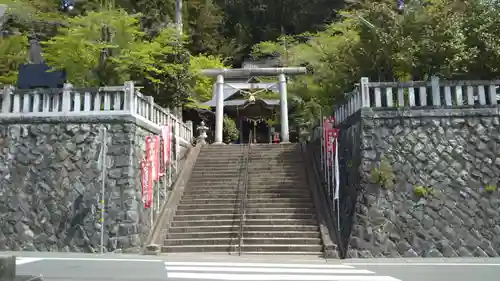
<point x="239" y="102"/>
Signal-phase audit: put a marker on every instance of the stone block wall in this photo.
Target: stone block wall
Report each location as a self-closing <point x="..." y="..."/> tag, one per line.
<point x="50" y="185"/>
<point x="453" y="153"/>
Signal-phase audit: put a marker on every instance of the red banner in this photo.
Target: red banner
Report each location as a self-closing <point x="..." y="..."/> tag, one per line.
<point x="328" y="123"/>
<point x="152" y="151"/>
<point x="146" y="183"/>
<point x="165" y="136"/>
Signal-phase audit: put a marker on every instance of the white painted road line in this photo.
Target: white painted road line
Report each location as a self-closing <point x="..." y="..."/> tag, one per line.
<point x="248" y="264"/>
<point x="253" y="277"/>
<point x="419" y="264"/>
<point x="20" y="261"/>
<point x="269" y="271"/>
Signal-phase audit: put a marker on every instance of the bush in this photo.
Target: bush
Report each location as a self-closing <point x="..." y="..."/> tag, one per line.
<point x="422" y="191"/>
<point x="230" y="132"/>
<point x="383" y="174"/>
<point x="490" y="188"/>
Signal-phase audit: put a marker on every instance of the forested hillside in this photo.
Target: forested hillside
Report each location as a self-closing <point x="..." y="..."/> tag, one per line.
<point x="339" y="42"/>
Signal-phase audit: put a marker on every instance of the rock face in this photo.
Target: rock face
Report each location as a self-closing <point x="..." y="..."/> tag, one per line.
<point x="450" y="154"/>
<point x="50" y="187"/>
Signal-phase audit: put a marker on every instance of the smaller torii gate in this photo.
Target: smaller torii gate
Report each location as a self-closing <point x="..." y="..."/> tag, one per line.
<point x="222" y="73"/>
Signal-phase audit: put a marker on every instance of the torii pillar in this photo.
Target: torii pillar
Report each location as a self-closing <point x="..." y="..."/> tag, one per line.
<point x="222" y="73"/>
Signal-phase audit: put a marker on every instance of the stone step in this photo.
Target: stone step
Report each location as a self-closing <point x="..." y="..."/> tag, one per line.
<point x="252" y="205"/>
<point x="258" y="249"/>
<point x="205" y="206"/>
<point x="273" y="222"/>
<point x="247" y="228"/>
<point x="273" y="210"/>
<point x="228" y="222"/>
<point x="246" y="234"/>
<point x="198" y="211"/>
<point x="221" y="175"/>
<point x="235" y="194"/>
<point x="251" y="199"/>
<point x="249" y="216"/>
<point x="246" y="241"/>
<point x="282" y="249"/>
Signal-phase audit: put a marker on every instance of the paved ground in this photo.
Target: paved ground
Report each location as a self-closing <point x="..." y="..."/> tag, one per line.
<point x="189" y="267"/>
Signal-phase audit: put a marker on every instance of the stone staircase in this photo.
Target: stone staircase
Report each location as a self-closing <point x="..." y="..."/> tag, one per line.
<point x="280" y="217"/>
<point x="207" y="218"/>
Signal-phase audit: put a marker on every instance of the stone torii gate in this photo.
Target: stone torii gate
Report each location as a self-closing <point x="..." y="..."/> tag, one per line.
<point x="222" y="73"/>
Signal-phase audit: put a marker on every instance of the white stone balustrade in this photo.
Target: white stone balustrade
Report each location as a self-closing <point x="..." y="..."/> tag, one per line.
<point x="104" y="101"/>
<point x="417" y="94"/>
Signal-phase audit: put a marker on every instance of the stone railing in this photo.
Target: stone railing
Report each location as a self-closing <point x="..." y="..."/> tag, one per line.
<point x="417" y="94"/>
<point x="104" y="101"/>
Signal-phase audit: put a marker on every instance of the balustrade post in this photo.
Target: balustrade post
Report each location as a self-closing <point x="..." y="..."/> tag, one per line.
<point x="7" y="93"/>
<point x="130" y="103"/>
<point x="365" y="92"/>
<point x="436" y="92"/>
<point x="66" y="97"/>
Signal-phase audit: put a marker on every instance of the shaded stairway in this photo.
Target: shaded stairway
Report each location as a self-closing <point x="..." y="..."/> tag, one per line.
<point x="207" y="218"/>
<point x="279" y="216"/>
<point x="280" y="213"/>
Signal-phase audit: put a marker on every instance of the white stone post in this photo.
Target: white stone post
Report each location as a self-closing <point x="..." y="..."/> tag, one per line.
<point x="130" y="103"/>
<point x="219" y="110"/>
<point x="285" y="136"/>
<point x="6" y="99"/>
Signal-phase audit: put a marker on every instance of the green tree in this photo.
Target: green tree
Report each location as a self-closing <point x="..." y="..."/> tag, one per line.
<point x="13" y="49"/>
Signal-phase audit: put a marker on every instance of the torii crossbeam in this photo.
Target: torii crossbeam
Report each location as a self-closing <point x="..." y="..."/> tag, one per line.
<point x="281" y="72"/>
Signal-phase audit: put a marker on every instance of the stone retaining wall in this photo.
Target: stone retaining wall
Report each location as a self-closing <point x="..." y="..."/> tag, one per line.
<point x="50" y="186"/>
<point x="454" y="155"/>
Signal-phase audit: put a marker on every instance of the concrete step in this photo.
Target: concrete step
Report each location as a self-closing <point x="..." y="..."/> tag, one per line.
<point x="258" y="249"/>
<point x="218" y="223"/>
<point x="205" y="206"/>
<point x="198" y="211"/>
<point x="201" y="241"/>
<point x="278" y="186"/>
<point x="229" y="176"/>
<point x="273" y="222"/>
<point x="199" y="248"/>
<point x="217" y="190"/>
<point x="208" y="235"/>
<point x="273" y="210"/>
<point x="207" y="216"/>
<point x="254" y="200"/>
<point x="247" y="241"/>
<point x="221" y="201"/>
<point x="281" y="234"/>
<point x="250" y="216"/>
<point x="246" y="234"/>
<point x="282" y="249"/>
<point x="247" y="228"/>
<point x="275" y="241"/>
<point x="254" y="205"/>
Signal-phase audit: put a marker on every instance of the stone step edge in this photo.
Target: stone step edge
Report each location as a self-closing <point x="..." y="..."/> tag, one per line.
<point x="248" y="232"/>
<point x="258" y="214"/>
<point x="247" y="245"/>
<point x="246" y="238"/>
<point x="254" y="220"/>
<point x="237" y="226"/>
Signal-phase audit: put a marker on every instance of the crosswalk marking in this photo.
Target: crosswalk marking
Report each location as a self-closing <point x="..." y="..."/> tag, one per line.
<point x="269" y="271"/>
<point x="20" y="261"/>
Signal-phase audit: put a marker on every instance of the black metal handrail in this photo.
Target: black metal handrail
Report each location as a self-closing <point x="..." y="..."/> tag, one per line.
<point x="241" y="176"/>
<point x="243" y="200"/>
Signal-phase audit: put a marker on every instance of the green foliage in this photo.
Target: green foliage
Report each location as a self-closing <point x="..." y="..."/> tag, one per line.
<point x="383" y="175"/>
<point x="13" y="50"/>
<point x="230" y="131"/>
<point x="490" y="188"/>
<point x="202" y="85"/>
<point x="423" y="191"/>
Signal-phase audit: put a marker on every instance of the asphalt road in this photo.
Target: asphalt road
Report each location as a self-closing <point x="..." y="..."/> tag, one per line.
<point x="189" y="267"/>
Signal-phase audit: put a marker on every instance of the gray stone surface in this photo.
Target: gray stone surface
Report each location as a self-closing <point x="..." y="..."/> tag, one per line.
<point x="452" y="152"/>
<point x="50" y="186"/>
